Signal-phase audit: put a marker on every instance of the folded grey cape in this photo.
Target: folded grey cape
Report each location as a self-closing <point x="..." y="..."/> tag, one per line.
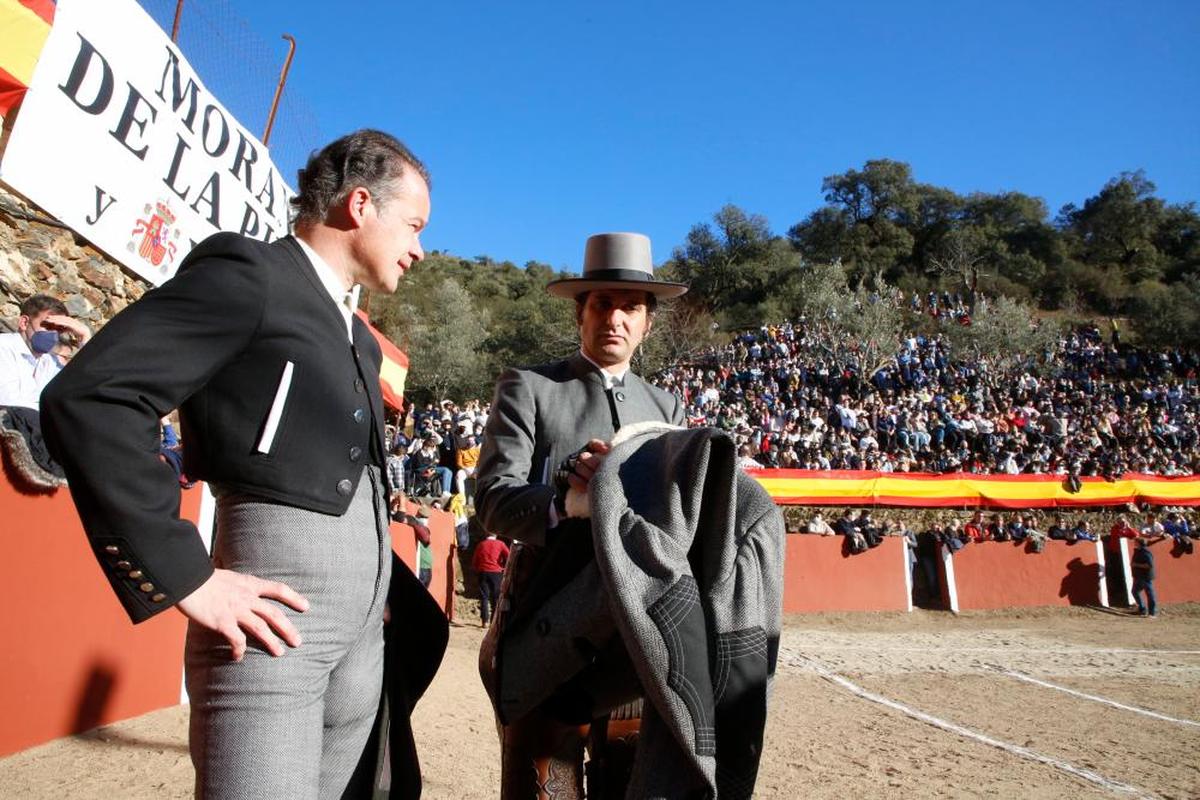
<point x="691" y="550"/>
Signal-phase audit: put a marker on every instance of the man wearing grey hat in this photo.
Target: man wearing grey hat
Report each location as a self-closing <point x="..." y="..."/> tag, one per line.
<point x="547" y="433"/>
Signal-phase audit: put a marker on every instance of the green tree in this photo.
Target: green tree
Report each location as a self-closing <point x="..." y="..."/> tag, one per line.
<point x="441" y="331"/>
<point x="867" y="221"/>
<point x="1116" y="228"/>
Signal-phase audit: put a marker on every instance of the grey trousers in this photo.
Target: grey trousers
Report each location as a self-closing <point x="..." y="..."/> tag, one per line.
<point x="294" y="726"/>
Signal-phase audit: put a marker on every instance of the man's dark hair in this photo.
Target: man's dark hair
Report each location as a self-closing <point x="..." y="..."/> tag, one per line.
<point x="371" y="159"/>
<point x="38" y="303"/>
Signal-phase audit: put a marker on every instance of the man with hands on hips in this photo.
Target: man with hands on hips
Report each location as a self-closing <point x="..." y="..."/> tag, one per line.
<point x="277" y="383"/>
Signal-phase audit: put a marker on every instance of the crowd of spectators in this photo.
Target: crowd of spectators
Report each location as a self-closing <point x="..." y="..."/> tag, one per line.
<point x="864" y="530"/>
<point x="1088" y="406"/>
<point x="440" y="456"/>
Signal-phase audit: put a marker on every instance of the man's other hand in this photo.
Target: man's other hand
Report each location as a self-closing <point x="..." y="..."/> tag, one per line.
<point x="233" y="605"/>
<point x="589" y="460"/>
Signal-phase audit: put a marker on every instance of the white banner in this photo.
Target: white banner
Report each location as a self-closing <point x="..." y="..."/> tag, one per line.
<point x="119" y="139"/>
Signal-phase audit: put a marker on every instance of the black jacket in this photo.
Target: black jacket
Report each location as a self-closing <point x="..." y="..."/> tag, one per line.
<point x="216" y="342"/>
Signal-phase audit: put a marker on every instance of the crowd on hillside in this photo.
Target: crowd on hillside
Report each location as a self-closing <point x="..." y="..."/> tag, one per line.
<point x="1090" y="406"/>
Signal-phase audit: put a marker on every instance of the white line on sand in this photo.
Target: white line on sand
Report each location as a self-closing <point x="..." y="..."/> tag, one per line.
<point x="1024" y="752"/>
<point x="1015" y="650"/>
<point x="1030" y="679"/>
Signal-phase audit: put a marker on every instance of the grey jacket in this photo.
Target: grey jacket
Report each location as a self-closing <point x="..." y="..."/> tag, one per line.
<point x="540" y="416"/>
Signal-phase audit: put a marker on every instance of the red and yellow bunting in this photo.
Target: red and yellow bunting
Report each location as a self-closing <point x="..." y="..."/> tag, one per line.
<point x="394" y="368"/>
<point x="845" y="487"/>
<point x="24" y="26"/>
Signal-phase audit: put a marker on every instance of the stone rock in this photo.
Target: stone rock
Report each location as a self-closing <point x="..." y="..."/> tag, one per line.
<point x="96" y="277"/>
<point x="77" y="305"/>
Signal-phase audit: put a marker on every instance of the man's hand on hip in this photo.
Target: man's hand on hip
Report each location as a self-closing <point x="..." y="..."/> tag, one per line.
<point x="233" y="605"/>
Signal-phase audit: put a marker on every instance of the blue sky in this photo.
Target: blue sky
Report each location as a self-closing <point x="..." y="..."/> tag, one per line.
<point x="543" y="122"/>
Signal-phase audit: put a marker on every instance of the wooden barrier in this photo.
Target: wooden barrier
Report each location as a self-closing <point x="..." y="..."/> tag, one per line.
<point x="1011" y="574"/>
<point x="1176" y="573"/>
<point x="820" y="574"/>
<point x="71" y="660"/>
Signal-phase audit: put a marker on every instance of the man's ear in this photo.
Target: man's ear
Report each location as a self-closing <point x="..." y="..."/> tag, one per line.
<point x="357" y="206"/>
<point x="22" y="323"/>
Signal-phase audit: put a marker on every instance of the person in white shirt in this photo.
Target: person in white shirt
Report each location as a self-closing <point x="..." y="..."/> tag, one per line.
<point x="30" y="357"/>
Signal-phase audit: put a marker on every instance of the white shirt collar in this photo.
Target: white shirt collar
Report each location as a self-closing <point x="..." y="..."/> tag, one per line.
<point x="332" y="283"/>
<point x="611" y="379"/>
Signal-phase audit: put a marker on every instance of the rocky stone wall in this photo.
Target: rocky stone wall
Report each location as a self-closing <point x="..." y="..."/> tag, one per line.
<point x="38" y="255"/>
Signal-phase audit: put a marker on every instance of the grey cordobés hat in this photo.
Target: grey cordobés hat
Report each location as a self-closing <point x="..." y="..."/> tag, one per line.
<point x="616" y="261"/>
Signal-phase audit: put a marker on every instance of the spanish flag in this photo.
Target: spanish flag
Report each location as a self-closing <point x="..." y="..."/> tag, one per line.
<point x="394" y="368"/>
<point x="24" y="26"/>
<point x="963" y="490"/>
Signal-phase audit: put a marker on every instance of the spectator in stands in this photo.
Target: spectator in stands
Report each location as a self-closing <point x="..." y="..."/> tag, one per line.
<point x="995" y="530"/>
<point x="467" y="459"/>
<point x="1059" y="530"/>
<point x="1153" y="528"/>
<point x="746" y="458"/>
<point x="488" y="561"/>
<point x="1121" y="529"/>
<point x="45" y="338"/>
<point x="1017" y="530"/>
<point x="955" y="538"/>
<point x="1142" y="565"/>
<point x="1082" y="531"/>
<point x="424" y="539"/>
<point x="448" y="446"/>
<point x="818" y="525"/>
<point x="425" y="463"/>
<point x="974" y="528"/>
<point x="871" y="532"/>
<point x="847" y="526"/>
<point x="1176" y="527"/>
<point x="395" y="470"/>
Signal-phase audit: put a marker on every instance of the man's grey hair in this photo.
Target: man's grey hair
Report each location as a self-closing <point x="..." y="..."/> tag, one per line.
<point x="368" y="158"/>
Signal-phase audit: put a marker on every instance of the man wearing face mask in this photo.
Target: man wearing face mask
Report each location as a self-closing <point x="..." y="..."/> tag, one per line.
<point x="34" y="354"/>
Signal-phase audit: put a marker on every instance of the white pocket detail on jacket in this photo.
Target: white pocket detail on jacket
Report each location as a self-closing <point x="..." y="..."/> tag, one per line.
<point x="269" y="430"/>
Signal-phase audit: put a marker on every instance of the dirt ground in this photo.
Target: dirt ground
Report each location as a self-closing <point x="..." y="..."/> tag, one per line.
<point x="864" y="705"/>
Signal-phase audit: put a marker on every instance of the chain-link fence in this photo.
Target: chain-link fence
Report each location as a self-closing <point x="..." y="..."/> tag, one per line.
<point x="241" y="68"/>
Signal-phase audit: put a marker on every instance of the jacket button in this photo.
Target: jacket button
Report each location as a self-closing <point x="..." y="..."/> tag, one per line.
<point x="112" y="550"/>
<point x="359" y="385"/>
<point x="355" y="453"/>
<point x="620" y="397"/>
<point x="344" y="487"/>
<point x="359" y="415"/>
<point x="135" y="574"/>
<point x="146" y="587"/>
<point x="124" y="565"/>
<point x="158" y="598"/>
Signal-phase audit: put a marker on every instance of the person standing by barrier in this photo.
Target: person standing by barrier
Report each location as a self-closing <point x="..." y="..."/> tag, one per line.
<point x="1142" y="564"/>
<point x="488" y="561"/>
<point x="277" y="382"/>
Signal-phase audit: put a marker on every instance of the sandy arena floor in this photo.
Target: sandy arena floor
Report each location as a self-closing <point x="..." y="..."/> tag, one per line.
<point x="865" y="705"/>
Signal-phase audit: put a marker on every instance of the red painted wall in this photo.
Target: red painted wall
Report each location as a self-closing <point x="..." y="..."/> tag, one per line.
<point x="820" y="574"/>
<point x="1176" y="574"/>
<point x="1008" y="574"/>
<point x="441" y="534"/>
<point x="70" y="660"/>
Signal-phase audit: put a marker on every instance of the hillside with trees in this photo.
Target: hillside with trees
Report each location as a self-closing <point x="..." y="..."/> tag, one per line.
<point x="880" y="236"/>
